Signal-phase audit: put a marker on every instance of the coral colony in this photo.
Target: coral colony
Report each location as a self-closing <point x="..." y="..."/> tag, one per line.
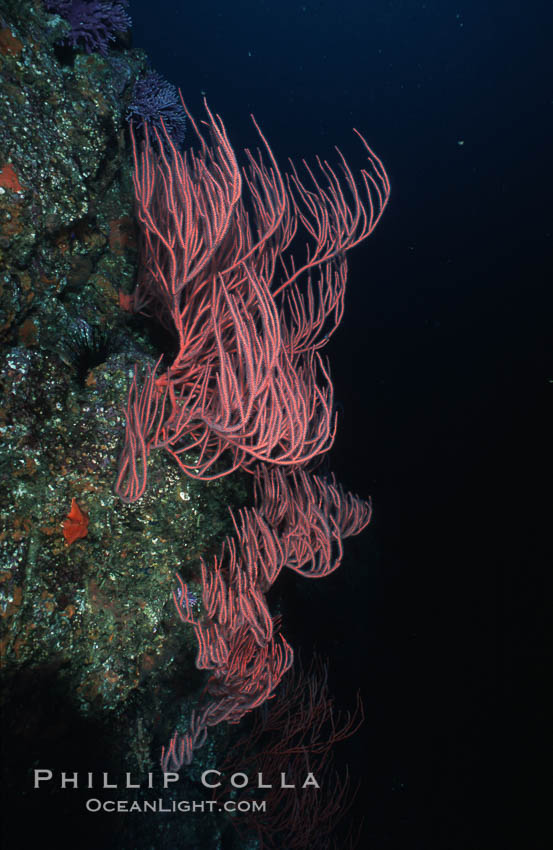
<point x="93" y="24"/>
<point x="246" y="269"/>
<point x="154" y="101"/>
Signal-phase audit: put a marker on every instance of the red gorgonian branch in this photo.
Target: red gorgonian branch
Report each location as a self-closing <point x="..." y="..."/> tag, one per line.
<point x="298" y="522"/>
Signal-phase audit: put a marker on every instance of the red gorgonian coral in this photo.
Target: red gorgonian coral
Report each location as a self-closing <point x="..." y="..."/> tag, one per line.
<point x="247" y="383"/>
<point x="246" y="386"/>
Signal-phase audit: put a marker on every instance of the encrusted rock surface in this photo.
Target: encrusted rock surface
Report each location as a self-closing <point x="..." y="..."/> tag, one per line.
<point x="96" y="668"/>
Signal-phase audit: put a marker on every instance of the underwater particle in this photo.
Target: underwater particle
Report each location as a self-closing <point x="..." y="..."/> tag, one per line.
<point x="75" y="525"/>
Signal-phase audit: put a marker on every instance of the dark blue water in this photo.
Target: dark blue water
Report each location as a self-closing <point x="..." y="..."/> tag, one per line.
<point x="441" y="368"/>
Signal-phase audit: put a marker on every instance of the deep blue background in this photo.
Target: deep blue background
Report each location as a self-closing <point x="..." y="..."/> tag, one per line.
<point x="438" y="611"/>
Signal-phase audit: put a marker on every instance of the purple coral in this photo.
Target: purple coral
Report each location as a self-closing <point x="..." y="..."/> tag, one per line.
<point x="154" y="99"/>
<point x="93" y="24"/>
